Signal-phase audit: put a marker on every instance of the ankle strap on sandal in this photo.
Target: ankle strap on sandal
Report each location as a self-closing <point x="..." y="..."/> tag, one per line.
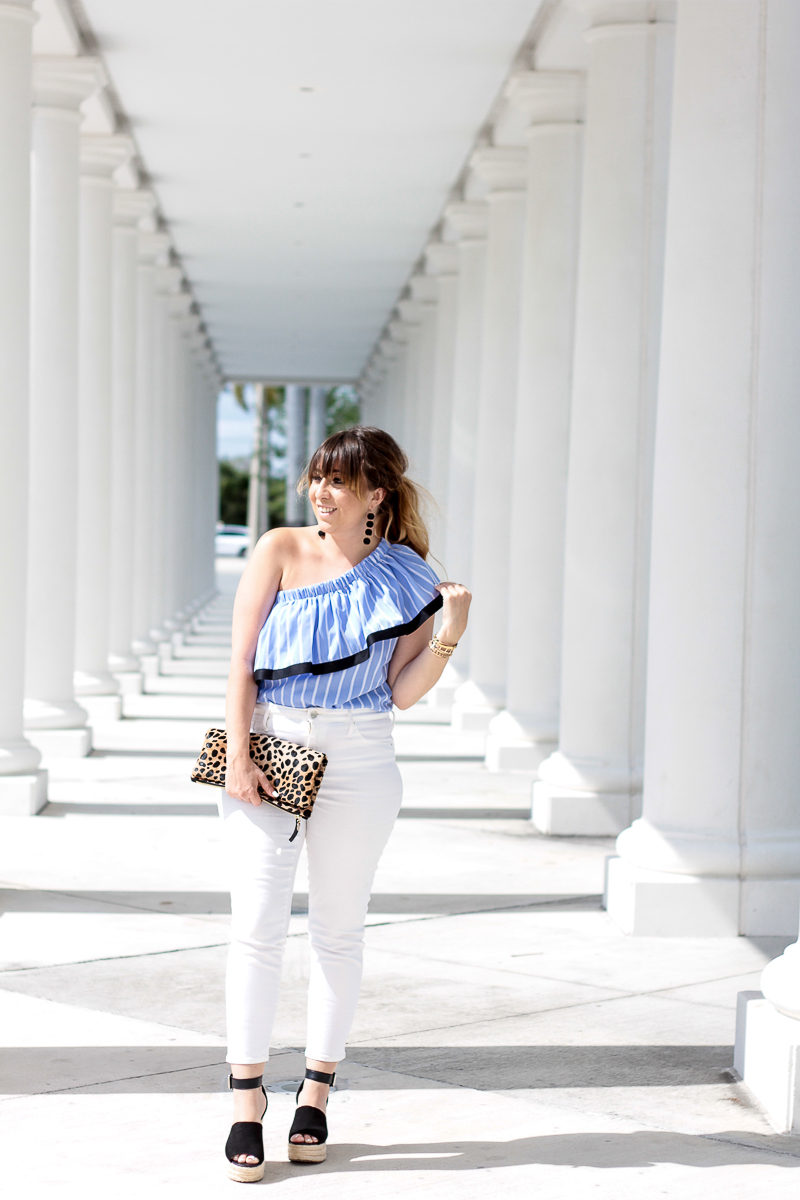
<point x="320" y="1076"/>
<point x="254" y="1082"/>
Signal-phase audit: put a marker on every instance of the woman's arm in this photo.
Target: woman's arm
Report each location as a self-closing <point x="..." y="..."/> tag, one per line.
<point x="414" y="668"/>
<point x="255" y="596"/>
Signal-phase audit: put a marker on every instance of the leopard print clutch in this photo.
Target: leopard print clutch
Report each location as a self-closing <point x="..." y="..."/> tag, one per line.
<point x="294" y="771"/>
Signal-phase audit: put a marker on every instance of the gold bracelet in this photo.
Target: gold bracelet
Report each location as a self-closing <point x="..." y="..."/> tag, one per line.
<point x="440" y="649"/>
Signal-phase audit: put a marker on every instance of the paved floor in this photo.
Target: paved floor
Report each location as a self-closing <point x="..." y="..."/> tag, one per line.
<point x="508" y="1036"/>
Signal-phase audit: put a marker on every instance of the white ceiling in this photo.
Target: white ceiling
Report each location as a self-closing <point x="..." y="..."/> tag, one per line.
<point x="299" y="214"/>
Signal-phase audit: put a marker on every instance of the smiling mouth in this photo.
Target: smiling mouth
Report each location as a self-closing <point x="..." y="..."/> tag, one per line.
<point x="325" y="512"/>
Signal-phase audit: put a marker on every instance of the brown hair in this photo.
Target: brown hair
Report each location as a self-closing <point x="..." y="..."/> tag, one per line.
<point x="368" y="458"/>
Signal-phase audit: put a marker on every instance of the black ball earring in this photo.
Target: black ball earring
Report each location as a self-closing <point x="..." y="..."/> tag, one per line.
<point x="368" y="530"/>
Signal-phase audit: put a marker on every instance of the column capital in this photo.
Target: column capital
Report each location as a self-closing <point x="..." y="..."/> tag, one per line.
<point x="131" y="205"/>
<point x="548" y="97"/>
<point x="180" y="303"/>
<point x="424" y="290"/>
<point x="467" y="219"/>
<point x="399" y="328"/>
<point x="153" y="247"/>
<point x="502" y="168"/>
<point x="441" y="258"/>
<point x="168" y="279"/>
<point x="18" y="10"/>
<point x="410" y="314"/>
<point x="625" y="14"/>
<point x="102" y="153"/>
<point x="63" y="82"/>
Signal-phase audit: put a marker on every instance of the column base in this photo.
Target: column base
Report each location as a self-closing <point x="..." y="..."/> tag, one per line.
<point x="103" y="709"/>
<point x="61" y="743"/>
<point x="52" y="714"/>
<point x="94" y="683"/>
<point x="767" y="1059"/>
<point x="142" y="646"/>
<point x="23" y="795"/>
<point x="661" y="904"/>
<point x="165" y="650"/>
<point x="512" y="746"/>
<point x="652" y="903"/>
<point x="473" y="710"/>
<point x="131" y="683"/>
<point x="122" y="662"/>
<point x="443" y="694"/>
<point x="582" y="800"/>
<point x="150" y="664"/>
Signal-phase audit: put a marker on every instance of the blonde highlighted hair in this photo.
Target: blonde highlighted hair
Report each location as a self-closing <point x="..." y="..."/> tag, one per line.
<point x="367" y="458"/>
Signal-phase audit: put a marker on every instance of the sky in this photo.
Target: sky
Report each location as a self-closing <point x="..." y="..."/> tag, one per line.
<point x="234" y="428"/>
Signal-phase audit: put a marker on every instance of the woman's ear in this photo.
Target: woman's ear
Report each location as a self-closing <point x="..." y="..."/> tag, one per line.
<point x="378" y="497"/>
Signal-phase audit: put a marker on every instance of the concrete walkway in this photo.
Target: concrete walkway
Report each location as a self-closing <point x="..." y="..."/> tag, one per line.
<point x="508" y="1038"/>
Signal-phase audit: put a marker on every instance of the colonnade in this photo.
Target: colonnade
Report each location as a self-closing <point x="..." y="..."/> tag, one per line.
<point x="593" y="371"/>
<point x="620" y="488"/>
<point x="108" y="418"/>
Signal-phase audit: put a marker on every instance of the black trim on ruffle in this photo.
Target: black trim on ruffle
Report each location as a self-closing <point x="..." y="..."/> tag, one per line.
<point x="351" y="660"/>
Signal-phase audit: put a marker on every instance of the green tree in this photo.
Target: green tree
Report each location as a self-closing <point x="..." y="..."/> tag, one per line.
<point x="233" y="484"/>
<point x="342" y="409"/>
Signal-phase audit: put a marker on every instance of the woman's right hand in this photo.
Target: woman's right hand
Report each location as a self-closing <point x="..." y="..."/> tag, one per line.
<point x="243" y="779"/>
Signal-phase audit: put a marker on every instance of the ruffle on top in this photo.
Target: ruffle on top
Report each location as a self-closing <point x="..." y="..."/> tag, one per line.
<point x="331" y="626"/>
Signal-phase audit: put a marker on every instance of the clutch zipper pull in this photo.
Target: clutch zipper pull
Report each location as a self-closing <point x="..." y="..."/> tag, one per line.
<point x="296" y="829"/>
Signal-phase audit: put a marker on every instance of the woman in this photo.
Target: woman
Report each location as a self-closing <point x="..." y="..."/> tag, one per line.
<point x="332" y="625"/>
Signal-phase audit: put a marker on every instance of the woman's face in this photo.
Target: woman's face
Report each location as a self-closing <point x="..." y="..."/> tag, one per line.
<point x="337" y="507"/>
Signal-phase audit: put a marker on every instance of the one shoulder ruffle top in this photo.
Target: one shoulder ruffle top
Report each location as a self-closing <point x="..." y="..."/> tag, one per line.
<point x="329" y="645"/>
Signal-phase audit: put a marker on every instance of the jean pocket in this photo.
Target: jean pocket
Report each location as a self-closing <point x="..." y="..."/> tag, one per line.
<point x="375" y="729"/>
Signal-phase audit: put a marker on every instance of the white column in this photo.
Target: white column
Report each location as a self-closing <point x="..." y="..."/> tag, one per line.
<point x="53" y="718"/>
<point x="295" y="451"/>
<point x="425" y="295"/>
<point x="100" y="156"/>
<point x="409" y="328"/>
<point x="258" y="483"/>
<point x="385" y="361"/>
<point x="389" y="352"/>
<point x="441" y="261"/>
<point x="317" y="429"/>
<point x="151" y="246"/>
<point x="22" y="785"/>
<point x="504" y="170"/>
<point x="527" y="729"/>
<point x="317" y="418"/>
<point x="213" y="386"/>
<point x="395" y="412"/>
<point x="467" y="222"/>
<point x="167" y="283"/>
<point x="198" y="482"/>
<point x="717" y="850"/>
<point x="592" y="784"/>
<point x="129" y="208"/>
<point x="178" y="453"/>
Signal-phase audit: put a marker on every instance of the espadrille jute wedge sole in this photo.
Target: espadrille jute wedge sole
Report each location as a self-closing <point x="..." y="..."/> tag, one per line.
<point x="246" y="1137"/>
<point x="311" y="1121"/>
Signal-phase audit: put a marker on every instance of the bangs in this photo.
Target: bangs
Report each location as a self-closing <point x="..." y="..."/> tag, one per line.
<point x="339" y="456"/>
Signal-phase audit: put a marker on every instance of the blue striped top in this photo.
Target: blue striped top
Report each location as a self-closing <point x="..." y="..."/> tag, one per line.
<point x="329" y="645"/>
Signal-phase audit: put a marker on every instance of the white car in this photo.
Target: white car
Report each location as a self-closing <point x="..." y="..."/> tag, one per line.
<point x="232" y="540"/>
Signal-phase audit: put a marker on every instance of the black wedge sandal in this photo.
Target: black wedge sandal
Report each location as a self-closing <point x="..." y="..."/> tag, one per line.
<point x="246" y="1137"/>
<point x="311" y="1121"/>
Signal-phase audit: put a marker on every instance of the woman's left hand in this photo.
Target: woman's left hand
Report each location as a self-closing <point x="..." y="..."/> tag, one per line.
<point x="457" y="600"/>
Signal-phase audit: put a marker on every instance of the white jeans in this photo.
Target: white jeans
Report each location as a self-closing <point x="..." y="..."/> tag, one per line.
<point x="345" y="836"/>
